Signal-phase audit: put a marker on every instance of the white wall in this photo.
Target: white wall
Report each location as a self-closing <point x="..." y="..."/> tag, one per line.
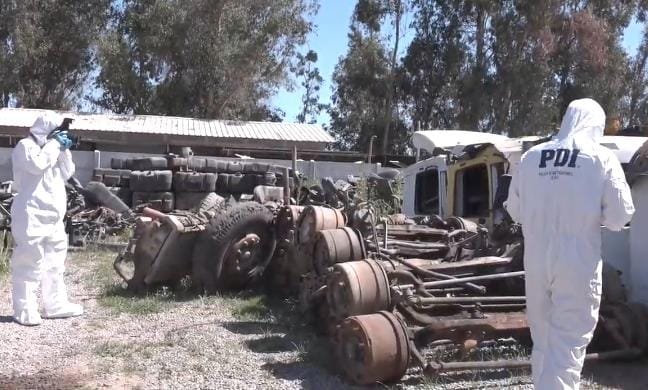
<point x="85" y="163"/>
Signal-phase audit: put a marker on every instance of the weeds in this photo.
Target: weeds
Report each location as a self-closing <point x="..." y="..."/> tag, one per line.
<point x="253" y="308"/>
<point x="6" y="244"/>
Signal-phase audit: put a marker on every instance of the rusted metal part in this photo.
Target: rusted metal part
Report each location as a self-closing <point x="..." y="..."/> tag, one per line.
<point x="337" y="246"/>
<point x="163" y="243"/>
<point x="478" y="278"/>
<point x="357" y="287"/>
<point x="437" y="275"/>
<point x="246" y="249"/>
<point x="468" y="299"/>
<point x="286" y="224"/>
<point x="315" y="218"/>
<point x="456" y="223"/>
<point x="373" y="348"/>
<point x="460" y="329"/>
<point x="434" y="368"/>
<point x="413" y="232"/>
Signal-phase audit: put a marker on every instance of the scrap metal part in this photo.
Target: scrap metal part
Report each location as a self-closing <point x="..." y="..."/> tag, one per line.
<point x="373" y="348"/>
<point x="357" y="287"/>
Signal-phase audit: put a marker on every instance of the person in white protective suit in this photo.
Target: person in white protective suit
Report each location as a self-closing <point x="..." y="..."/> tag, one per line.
<point x="41" y="167"/>
<point x="562" y="193"/>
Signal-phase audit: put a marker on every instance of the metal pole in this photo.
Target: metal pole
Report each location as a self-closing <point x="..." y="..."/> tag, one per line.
<point x="371" y="141"/>
<point x="294" y="161"/>
<point x="446" y="300"/>
<point x="286" y="186"/>
<point x="451" y="282"/>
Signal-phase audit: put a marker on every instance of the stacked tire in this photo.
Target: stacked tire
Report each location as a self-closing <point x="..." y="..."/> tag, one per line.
<point x="191" y="188"/>
<point x="117" y="180"/>
<point x="151" y="183"/>
<point x="168" y="183"/>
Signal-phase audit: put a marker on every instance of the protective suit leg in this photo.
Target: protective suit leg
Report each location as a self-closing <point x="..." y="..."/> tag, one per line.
<point x="572" y="320"/>
<point x="55" y="297"/>
<point x="538" y="305"/>
<point x="26" y="263"/>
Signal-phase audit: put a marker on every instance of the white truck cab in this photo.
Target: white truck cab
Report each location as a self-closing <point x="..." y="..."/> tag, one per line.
<point x="462" y="174"/>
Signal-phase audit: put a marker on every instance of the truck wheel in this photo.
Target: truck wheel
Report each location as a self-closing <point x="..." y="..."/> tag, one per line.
<point x="211" y="202"/>
<point x="235" y="249"/>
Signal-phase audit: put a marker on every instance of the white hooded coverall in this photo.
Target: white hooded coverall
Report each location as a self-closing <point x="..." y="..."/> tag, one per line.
<point x="40" y="170"/>
<point x="562" y="193"/>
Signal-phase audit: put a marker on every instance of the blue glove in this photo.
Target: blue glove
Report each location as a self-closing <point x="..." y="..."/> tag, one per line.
<point x="63" y="139"/>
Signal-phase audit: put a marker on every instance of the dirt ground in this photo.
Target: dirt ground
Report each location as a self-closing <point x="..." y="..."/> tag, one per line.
<point x="173" y="341"/>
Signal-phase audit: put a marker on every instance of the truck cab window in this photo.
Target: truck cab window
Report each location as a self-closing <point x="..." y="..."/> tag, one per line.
<point x="426" y="198"/>
<point x="472" y="192"/>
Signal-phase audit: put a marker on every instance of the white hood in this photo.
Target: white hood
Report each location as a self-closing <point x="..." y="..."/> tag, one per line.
<point x="584" y="120"/>
<point x="44" y="125"/>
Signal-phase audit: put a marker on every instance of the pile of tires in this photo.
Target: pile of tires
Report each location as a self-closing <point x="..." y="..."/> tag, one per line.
<point x="190" y="188"/>
<point x="117" y="180"/>
<point x="153" y="189"/>
<point x="180" y="183"/>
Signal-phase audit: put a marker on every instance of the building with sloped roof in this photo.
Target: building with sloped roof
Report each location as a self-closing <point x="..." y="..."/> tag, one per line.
<point x="159" y="134"/>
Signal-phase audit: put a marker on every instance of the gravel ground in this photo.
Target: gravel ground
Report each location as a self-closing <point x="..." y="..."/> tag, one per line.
<point x="175" y="342"/>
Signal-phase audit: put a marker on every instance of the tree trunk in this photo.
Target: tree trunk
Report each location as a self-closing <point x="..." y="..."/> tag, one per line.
<point x="390" y="78"/>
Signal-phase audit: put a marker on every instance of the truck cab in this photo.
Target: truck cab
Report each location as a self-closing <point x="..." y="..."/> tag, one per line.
<point x="462" y="174"/>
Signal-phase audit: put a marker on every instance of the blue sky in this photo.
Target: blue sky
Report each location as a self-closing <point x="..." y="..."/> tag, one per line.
<point x="329" y="40"/>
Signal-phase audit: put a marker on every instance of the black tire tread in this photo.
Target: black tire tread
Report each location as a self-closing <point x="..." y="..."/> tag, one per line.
<point x="211" y="246"/>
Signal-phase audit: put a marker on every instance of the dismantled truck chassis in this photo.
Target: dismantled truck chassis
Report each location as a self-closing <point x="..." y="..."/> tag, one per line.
<point x="428" y="293"/>
<point x="391" y="293"/>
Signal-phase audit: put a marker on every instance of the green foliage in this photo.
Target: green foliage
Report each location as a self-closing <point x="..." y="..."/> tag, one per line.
<point x="382" y="204"/>
<point x="206" y="59"/>
<point x="311" y="82"/>
<point x="46" y="49"/>
<point x="498" y="66"/>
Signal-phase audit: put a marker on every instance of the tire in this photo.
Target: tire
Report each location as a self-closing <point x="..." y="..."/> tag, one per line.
<point x="150" y="164"/>
<point x="234" y="167"/>
<point x="197" y="201"/>
<point x="121" y="163"/>
<point x="215" y="266"/>
<point x="242" y="184"/>
<point x="112" y="177"/>
<point x="256" y="167"/>
<point x="194" y="182"/>
<point x="123" y="193"/>
<point x="98" y="193"/>
<point x="211" y="202"/>
<point x="197" y="164"/>
<point x="161" y="201"/>
<point x="178" y="163"/>
<point x="151" y="181"/>
<point x="222" y="183"/>
<point x="213" y="165"/>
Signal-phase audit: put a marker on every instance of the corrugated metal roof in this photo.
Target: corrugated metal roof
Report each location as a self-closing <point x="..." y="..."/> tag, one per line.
<point x="149" y="124"/>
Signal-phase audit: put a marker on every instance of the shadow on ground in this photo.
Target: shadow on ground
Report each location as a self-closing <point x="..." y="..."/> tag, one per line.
<point x="42" y="380"/>
<point x="623" y="375"/>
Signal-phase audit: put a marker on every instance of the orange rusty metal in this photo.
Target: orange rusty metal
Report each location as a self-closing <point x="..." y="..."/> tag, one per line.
<point x="337" y="246"/>
<point x="287" y="218"/>
<point x="373" y="348"/>
<point x="357" y="287"/>
<point x="315" y="218"/>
